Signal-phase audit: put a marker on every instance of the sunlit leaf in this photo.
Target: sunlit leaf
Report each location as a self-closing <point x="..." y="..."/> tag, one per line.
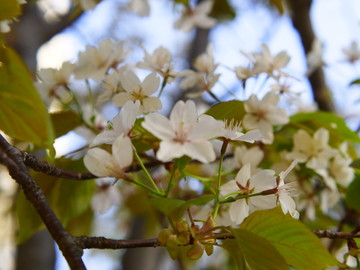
<point x="222" y="10"/>
<point x="357" y="81"/>
<point x="296" y="243"/>
<point x="23" y="114"/>
<point x="258" y="253"/>
<point x="229" y="110"/>
<point x="9" y="9"/>
<point x="352" y="194"/>
<point x="335" y="124"/>
<point x="64" y="121"/>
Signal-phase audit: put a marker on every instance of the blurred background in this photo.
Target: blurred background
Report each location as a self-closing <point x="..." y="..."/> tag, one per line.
<point x="313" y="32"/>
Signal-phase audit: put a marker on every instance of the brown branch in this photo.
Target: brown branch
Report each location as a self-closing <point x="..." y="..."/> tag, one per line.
<point x="86" y="242"/>
<point x="300" y="10"/>
<point x="335" y="235"/>
<point x="52" y="170"/>
<point x="11" y="157"/>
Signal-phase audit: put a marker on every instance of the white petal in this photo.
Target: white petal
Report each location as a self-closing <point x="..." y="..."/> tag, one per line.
<point x="121" y="98"/>
<point x="151" y="104"/>
<point x="122" y="151"/>
<point x="169" y="150"/>
<point x="251" y="136"/>
<point x="202" y="151"/>
<point x="124" y="121"/>
<point x="107" y="137"/>
<point x="150" y="84"/>
<point x="239" y="210"/>
<point x="130" y="81"/>
<point x="244" y="174"/>
<point x="159" y="126"/>
<point x="228" y="188"/>
<point x="99" y="162"/>
<point x="207" y="128"/>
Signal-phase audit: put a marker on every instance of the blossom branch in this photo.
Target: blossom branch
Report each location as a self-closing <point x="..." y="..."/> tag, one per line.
<point x="11" y="157"/>
<point x="50" y="169"/>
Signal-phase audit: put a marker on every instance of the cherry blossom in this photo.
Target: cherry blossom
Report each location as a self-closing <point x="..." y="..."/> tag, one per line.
<point x="185" y="133"/>
<point x="95" y="62"/>
<point x="54" y="82"/>
<point x="285" y="192"/>
<point x="352" y="52"/>
<point x="196" y="17"/>
<point x="103" y="164"/>
<point x="137" y="90"/>
<point x="204" y="77"/>
<point x="160" y="62"/>
<point x="245" y="184"/>
<point x="263" y="114"/>
<point x="106" y="195"/>
<point x="121" y="125"/>
<point x="265" y="62"/>
<point x="314" y="150"/>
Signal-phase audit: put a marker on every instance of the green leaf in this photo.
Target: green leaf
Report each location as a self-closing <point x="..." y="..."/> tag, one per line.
<point x="352" y="194"/>
<point x="71" y="199"/>
<point x="64" y="121"/>
<point x="357" y="81"/>
<point x="296" y="243"/>
<point x="23" y="114"/>
<point x="258" y="253"/>
<point x="222" y="10"/>
<point x="233" y="248"/>
<point x="28" y="219"/>
<point x="335" y="124"/>
<point x="183" y="2"/>
<point x="168" y="206"/>
<point x="9" y="9"/>
<point x="232" y="110"/>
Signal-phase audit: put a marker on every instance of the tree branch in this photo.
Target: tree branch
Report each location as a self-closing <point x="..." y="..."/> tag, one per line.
<point x="11" y="157"/>
<point x="52" y="170"/>
<point x="86" y="242"/>
<point x="301" y="20"/>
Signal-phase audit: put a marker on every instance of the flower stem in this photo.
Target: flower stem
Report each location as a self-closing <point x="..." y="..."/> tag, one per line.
<point x="214" y="96"/>
<point x="146" y="172"/>
<point x="173" y="170"/>
<point x="222" y="154"/>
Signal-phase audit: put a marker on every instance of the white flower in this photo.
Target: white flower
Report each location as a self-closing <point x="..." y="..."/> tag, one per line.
<point x="265" y="62"/>
<point x="111" y="85"/>
<point x="353" y="52"/>
<point x="122" y="124"/>
<point x="159" y="62"/>
<point x="204" y="78"/>
<point x="196" y="17"/>
<point x="314" y="150"/>
<point x="184" y="133"/>
<point x="315" y="57"/>
<point x="253" y="156"/>
<point x="54" y="82"/>
<point x="95" y="62"/>
<point x="263" y="114"/>
<point x="137" y="90"/>
<point x="338" y="170"/>
<point x="103" y="164"/>
<point x="286" y="191"/>
<point x="247" y="184"/>
<point x="244" y="73"/>
<point x="105" y="196"/>
<point x="139" y="7"/>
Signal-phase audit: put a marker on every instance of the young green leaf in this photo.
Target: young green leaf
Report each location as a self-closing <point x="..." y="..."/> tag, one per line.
<point x="296" y="243"/>
<point x="258" y="253"/>
<point x="23" y="114"/>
